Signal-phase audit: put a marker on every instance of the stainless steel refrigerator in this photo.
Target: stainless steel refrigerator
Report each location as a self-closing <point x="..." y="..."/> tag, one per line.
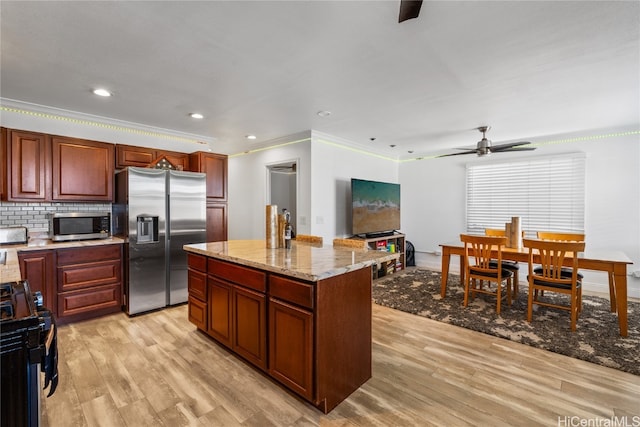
<point x="157" y="212"/>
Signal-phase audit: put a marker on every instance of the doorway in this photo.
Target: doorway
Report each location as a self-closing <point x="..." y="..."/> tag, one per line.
<point x="283" y="188"/>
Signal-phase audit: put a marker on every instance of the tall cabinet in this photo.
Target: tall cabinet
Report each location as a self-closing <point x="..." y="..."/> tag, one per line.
<point x="215" y="167"/>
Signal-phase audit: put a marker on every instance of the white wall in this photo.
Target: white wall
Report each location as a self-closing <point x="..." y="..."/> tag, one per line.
<point x="248" y="186"/>
<point x="333" y="166"/>
<point x="433" y="198"/>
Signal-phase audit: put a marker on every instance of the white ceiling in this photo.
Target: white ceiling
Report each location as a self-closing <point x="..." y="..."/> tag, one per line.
<point x="527" y="68"/>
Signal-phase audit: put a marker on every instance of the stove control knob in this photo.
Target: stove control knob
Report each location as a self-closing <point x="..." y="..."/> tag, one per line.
<point x="38" y="299"/>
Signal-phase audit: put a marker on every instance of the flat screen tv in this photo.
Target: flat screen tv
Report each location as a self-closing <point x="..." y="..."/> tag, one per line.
<point x="375" y="207"/>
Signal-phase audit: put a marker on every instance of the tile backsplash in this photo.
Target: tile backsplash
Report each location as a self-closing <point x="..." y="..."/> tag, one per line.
<point x="33" y="215"/>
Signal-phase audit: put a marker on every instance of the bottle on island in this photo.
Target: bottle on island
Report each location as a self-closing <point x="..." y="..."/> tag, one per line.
<point x="287" y="229"/>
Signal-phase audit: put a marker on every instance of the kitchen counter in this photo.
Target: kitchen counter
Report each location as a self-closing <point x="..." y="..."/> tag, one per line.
<point x="10" y="270"/>
<point x="303" y="261"/>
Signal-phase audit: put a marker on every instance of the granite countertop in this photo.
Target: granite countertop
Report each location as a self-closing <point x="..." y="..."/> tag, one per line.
<point x="10" y="270"/>
<point x="304" y="261"/>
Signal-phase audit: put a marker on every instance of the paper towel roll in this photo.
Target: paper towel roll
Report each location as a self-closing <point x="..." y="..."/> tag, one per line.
<point x="281" y="224"/>
<point x="272" y="226"/>
<point x="516" y="232"/>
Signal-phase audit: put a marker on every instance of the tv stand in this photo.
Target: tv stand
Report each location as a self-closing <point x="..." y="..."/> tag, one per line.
<point x="389" y="241"/>
<point x="379" y="234"/>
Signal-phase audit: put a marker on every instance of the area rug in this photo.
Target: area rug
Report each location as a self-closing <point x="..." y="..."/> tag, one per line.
<point x="597" y="338"/>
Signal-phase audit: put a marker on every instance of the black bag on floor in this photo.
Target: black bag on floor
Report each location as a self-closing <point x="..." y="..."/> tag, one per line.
<point x="410" y="254"/>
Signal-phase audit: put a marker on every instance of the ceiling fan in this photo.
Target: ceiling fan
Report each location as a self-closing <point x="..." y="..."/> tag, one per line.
<point x="484" y="147"/>
<point x="409" y="9"/>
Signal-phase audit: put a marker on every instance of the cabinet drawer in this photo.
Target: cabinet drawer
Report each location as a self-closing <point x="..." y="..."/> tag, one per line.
<point x="291" y="290"/>
<point x="88" y="275"/>
<point x="197" y="284"/>
<point x="197" y="262"/>
<point x="98" y="299"/>
<point x="88" y="254"/>
<point x="198" y="313"/>
<point x="244" y="276"/>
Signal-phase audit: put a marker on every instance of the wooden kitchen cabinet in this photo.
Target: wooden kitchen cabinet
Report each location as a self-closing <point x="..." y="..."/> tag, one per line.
<point x="29" y="166"/>
<point x="3" y="163"/>
<point x="129" y="155"/>
<point x="215" y="167"/>
<point x="216" y="222"/>
<point x="82" y="170"/>
<point x="38" y="267"/>
<point x="237" y="310"/>
<point x="197" y="288"/>
<point x="89" y="282"/>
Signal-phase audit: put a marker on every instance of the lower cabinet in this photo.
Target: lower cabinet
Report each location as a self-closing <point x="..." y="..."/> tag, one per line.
<point x="38" y="267"/>
<point x="291" y="346"/>
<point x="89" y="281"/>
<point x="237" y="319"/>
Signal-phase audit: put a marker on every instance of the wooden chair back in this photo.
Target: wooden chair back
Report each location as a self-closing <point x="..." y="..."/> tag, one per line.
<point x="552" y="257"/>
<point x="481" y="265"/>
<point x="563" y="237"/>
<point x="309" y="239"/>
<point x="478" y="249"/>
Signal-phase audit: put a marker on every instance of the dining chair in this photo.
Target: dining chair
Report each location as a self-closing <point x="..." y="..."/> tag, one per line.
<point x="479" y="269"/>
<point x="565" y="237"/>
<point x="512" y="266"/>
<point x="547" y="275"/>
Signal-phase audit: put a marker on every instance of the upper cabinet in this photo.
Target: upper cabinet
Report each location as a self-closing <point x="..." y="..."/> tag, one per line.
<point x="28" y="173"/>
<point x="215" y="167"/>
<point x="3" y="163"/>
<point x="128" y="155"/>
<point x="82" y="170"/>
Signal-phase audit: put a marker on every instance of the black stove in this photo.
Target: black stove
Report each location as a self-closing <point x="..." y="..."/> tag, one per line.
<point x="27" y="346"/>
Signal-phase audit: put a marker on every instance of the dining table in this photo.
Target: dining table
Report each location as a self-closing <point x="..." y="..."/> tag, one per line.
<point x="611" y="261"/>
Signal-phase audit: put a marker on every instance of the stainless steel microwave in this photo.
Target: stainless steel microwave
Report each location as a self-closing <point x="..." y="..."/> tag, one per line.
<point x="79" y="226"/>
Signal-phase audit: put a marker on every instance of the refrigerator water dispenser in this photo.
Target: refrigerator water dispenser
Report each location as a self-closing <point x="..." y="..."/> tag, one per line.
<point x="147" y="229"/>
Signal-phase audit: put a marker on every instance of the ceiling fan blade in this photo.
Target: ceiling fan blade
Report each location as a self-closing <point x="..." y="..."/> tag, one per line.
<point x="502" y="147"/>
<point x="510" y="150"/>
<point x="409" y="9"/>
<point x="459" y="154"/>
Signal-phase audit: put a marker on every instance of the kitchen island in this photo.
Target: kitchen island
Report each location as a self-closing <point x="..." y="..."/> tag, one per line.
<point x="300" y="315"/>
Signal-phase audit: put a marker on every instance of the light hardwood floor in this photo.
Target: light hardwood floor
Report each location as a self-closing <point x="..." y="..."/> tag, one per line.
<point x="157" y="370"/>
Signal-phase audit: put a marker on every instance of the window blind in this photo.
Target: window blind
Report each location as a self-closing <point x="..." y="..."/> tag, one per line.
<point x="546" y="193"/>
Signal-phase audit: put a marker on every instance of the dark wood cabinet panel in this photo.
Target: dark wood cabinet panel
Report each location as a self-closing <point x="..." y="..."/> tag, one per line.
<point x="198" y="313"/>
<point x="82" y="170"/>
<point x="38" y="267"/>
<point x="220" y="307"/>
<point x="245" y="276"/>
<point x="28" y="172"/>
<point x="4" y="135"/>
<point x="128" y="155"/>
<point x="215" y="167"/>
<point x="291" y="346"/>
<point x="85" y="303"/>
<point x="216" y="222"/>
<point x="249" y="326"/>
<point x="89" y="281"/>
<point x="197" y="284"/>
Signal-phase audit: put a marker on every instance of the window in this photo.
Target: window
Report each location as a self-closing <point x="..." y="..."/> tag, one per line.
<point x="547" y="193"/>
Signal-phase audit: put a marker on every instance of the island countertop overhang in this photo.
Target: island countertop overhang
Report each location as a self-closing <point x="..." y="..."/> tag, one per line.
<point x="303" y="261"/>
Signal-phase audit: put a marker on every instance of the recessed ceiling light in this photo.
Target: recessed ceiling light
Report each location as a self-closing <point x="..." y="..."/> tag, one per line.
<point x="251" y="137"/>
<point x="196" y="116"/>
<point x="324" y="113"/>
<point x="102" y="92"/>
